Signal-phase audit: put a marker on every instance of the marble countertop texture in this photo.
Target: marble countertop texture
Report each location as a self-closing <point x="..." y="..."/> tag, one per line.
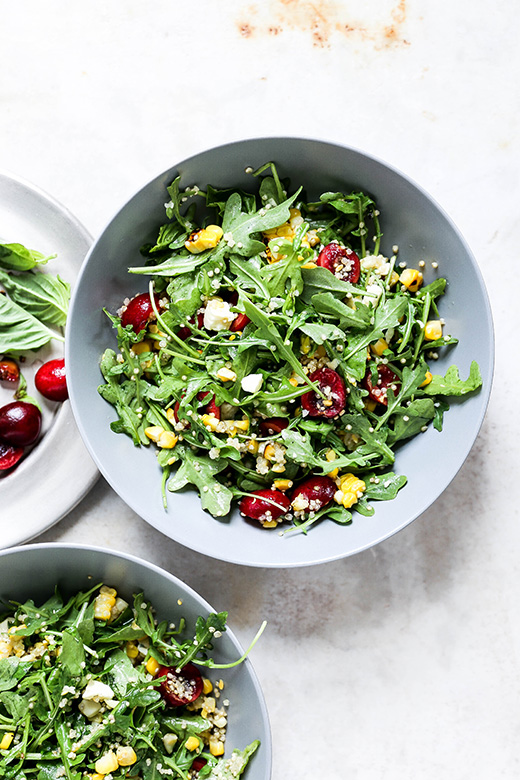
<point x="403" y="661"/>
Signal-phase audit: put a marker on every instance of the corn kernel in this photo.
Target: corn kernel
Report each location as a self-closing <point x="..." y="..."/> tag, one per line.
<point x="6" y="740"/>
<point x="283" y="484"/>
<point x="216" y="746"/>
<point x="207" y="686"/>
<point x="433" y="330"/>
<point x="278" y="468"/>
<point x="411" y="278"/>
<point x="394" y="278"/>
<point x="142" y="346"/>
<point x="107" y="763"/>
<point x="170" y="415"/>
<point x="226" y="374"/>
<point x="305" y="345"/>
<point x="333" y="474"/>
<point x="330" y="455"/>
<point x="154" y="432"/>
<point x="252" y="446"/>
<point x="210" y="421"/>
<point x="152" y="666"/>
<point x="309" y="264"/>
<point x="192" y="743"/>
<point x="167" y="440"/>
<point x="379" y="347"/>
<point x="104" y="602"/>
<point x="427" y="379"/>
<point x="269" y="452"/>
<point x="242" y="425"/>
<point x="131" y="650"/>
<point x="125" y="755"/>
<point x="369" y="404"/>
<point x="207" y="238"/>
<point x="96" y="776"/>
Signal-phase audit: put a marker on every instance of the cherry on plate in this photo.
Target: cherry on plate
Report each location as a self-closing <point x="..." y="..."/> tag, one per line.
<point x="332" y="386"/>
<point x="139" y="311"/>
<point x="315" y="492"/>
<point x="386" y="378"/>
<point x="273" y="425"/>
<point x="342" y="262"/>
<point x="256" y="507"/>
<point x="9" y="370"/>
<point x="51" y="381"/>
<point x="20" y="423"/>
<point x="9" y="455"/>
<point x="180" y="687"/>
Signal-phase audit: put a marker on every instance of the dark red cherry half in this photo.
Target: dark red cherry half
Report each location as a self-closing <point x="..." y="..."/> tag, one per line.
<point x="257" y="508"/>
<point x="342" y="262"/>
<point x="273" y="425"/>
<point x="332" y="386"/>
<point x="51" y="381"/>
<point x="9" y="455"/>
<point x="180" y="687"/>
<point x="20" y="423"/>
<point x="211" y="406"/>
<point x="198" y="763"/>
<point x="139" y="311"/>
<point x="239" y="323"/>
<point x="317" y="492"/>
<point x="386" y="378"/>
<point x="186" y="332"/>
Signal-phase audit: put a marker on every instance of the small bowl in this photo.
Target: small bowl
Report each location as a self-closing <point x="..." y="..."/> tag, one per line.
<point x="75" y="567"/>
<point x="410" y="219"/>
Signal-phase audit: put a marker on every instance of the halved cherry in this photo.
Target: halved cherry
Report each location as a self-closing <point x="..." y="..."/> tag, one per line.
<point x="333" y="388"/>
<point x="9" y="370"/>
<point x="185" y="332"/>
<point x="272" y="426"/>
<point x="239" y="323"/>
<point x="341" y="261"/>
<point x="256" y="507"/>
<point x="180" y="687"/>
<point x="211" y="406"/>
<point x="9" y="455"/>
<point x="20" y="423"/>
<point x="139" y="311"/>
<point x="198" y="763"/>
<point x="314" y="493"/>
<point x="386" y="378"/>
<point x="50" y="380"/>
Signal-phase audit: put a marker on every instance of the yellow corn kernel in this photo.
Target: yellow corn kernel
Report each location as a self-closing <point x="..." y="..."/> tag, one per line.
<point x="142" y="346"/>
<point x="210" y="421"/>
<point x="312" y="237"/>
<point x="226" y="374"/>
<point x="6" y="740"/>
<point x="305" y="345"/>
<point x="252" y="446"/>
<point x="170" y="415"/>
<point x="210" y="704"/>
<point x="351" y="488"/>
<point x="427" y="379"/>
<point x="125" y="755"/>
<point x="216" y="746"/>
<point x="351" y="482"/>
<point x="152" y="666"/>
<point x="131" y="650"/>
<point x="278" y="468"/>
<point x="203" y="239"/>
<point x="295" y="217"/>
<point x="309" y="264"/>
<point x="433" y="330"/>
<point x="167" y="440"/>
<point x="207" y="686"/>
<point x="192" y="743"/>
<point x="107" y="763"/>
<point x="411" y="278"/>
<point x="96" y="776"/>
<point x="369" y="404"/>
<point x="379" y="347"/>
<point x="269" y="523"/>
<point x="330" y="455"/>
<point x="394" y="278"/>
<point x="154" y="432"/>
<point x="283" y="484"/>
<point x="104" y="602"/>
<point x="269" y="452"/>
<point x="295" y="379"/>
<point x="333" y="474"/>
<point x="241" y="425"/>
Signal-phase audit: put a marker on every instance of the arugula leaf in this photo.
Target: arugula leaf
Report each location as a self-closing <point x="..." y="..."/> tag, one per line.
<point x="44" y="296"/>
<point x="242" y="225"/>
<point x="383" y="487"/>
<point x="410" y="420"/>
<point x="452" y="384"/>
<point x="320" y="280"/>
<point x="201" y="472"/>
<point x="234" y="766"/>
<point x="10" y="672"/>
<point x="357" y="318"/>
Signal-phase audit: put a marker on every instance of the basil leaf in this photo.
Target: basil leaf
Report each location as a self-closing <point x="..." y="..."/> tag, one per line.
<point x="17" y="257"/>
<point x="42" y="295"/>
<point x="20" y="331"/>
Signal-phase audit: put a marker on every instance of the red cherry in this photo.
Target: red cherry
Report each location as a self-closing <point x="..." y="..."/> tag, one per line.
<point x="239" y="323"/>
<point x="211" y="407"/>
<point x="185" y="332"/>
<point x="20" y="423"/>
<point x="180" y="687"/>
<point x="198" y="763"/>
<point x="319" y="490"/>
<point x="51" y="382"/>
<point x="139" y="311"/>
<point x="333" y="387"/>
<point x="9" y="455"/>
<point x="9" y="371"/>
<point x="342" y="262"/>
<point x="255" y="507"/>
<point x="386" y="378"/>
<point x="273" y="425"/>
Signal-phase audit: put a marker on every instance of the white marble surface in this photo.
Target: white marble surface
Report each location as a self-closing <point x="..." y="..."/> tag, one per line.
<point x="402" y="662"/>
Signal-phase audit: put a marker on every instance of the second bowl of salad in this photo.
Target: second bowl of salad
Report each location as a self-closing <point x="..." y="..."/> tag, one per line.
<point x="280" y="352"/>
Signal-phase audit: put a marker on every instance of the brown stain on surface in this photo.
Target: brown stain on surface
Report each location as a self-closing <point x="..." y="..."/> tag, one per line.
<point x="322" y="19"/>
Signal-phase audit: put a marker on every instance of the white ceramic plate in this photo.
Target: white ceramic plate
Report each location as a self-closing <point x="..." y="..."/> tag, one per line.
<point x="58" y="472"/>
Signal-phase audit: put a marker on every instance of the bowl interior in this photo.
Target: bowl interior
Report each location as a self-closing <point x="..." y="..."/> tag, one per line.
<point x="410" y="219"/>
<point x="73" y="568"/>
